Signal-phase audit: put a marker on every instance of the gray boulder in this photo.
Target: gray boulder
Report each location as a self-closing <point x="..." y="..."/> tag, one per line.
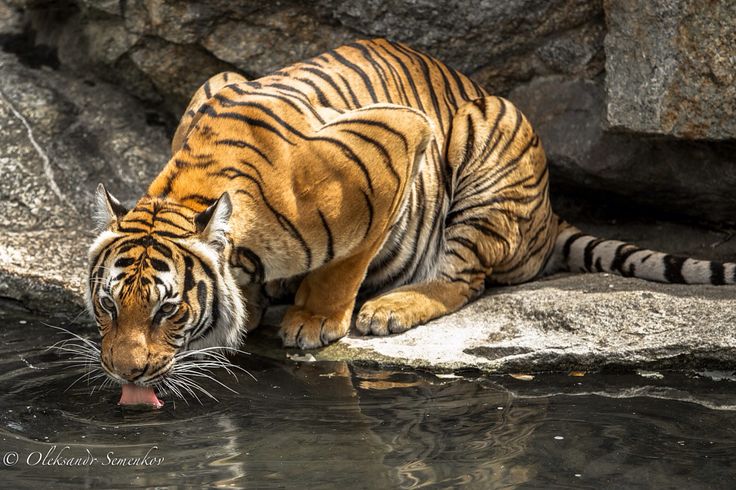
<point x="574" y="322"/>
<point x="164" y="50"/>
<point x="671" y="67"/>
<point x="688" y="178"/>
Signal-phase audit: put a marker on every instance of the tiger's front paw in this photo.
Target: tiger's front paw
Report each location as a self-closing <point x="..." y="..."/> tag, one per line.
<point x="306" y="330"/>
<point x="391" y="313"/>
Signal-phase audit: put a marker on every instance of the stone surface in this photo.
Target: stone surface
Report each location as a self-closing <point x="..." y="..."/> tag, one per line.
<point x="677" y="177"/>
<point x="567" y="323"/>
<point x="671" y="67"/>
<point x="160" y="47"/>
<point x="60" y="136"/>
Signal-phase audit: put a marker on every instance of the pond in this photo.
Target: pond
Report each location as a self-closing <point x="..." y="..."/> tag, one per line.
<point x="335" y="425"/>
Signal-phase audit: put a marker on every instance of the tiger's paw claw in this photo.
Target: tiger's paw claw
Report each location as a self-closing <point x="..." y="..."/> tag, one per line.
<point x="390" y="314"/>
<point x="306" y="330"/>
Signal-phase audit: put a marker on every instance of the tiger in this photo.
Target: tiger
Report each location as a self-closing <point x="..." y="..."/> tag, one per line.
<point x="371" y="175"/>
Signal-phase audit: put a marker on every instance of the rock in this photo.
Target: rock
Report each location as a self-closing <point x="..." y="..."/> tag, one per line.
<point x="572" y="322"/>
<point x="167" y="44"/>
<point x="11" y="20"/>
<point x="671" y="67"/>
<point x="175" y="71"/>
<point x="61" y="136"/>
<point x="267" y="41"/>
<point x="661" y="174"/>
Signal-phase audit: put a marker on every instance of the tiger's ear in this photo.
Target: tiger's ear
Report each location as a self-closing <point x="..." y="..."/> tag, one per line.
<point x="213" y="223"/>
<point x="109" y="209"/>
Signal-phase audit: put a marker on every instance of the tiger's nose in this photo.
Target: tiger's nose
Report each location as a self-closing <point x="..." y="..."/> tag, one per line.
<point x="129" y="358"/>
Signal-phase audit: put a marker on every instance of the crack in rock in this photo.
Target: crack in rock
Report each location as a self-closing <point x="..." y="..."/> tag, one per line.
<point x="48" y="171"/>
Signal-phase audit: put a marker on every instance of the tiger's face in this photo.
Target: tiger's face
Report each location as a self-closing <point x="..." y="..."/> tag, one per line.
<point x="160" y="286"/>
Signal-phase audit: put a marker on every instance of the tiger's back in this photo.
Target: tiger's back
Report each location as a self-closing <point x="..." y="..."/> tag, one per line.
<point x="449" y="187"/>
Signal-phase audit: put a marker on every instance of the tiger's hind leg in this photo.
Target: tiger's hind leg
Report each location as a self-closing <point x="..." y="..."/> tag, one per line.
<point x="415" y="304"/>
<point x="499" y="223"/>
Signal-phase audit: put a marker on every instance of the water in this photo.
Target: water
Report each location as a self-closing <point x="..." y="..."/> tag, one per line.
<point x="332" y="425"/>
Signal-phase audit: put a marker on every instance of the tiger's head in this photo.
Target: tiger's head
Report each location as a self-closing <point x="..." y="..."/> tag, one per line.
<point x="160" y="286"/>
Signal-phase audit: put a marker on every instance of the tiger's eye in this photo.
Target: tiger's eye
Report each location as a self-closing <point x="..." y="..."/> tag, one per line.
<point x="107" y="303"/>
<point x="168" y="309"/>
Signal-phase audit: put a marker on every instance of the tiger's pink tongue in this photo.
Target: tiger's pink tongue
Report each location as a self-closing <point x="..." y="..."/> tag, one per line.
<point x="139" y="395"/>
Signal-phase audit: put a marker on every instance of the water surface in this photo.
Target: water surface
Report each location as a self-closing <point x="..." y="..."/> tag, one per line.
<point x="325" y="425"/>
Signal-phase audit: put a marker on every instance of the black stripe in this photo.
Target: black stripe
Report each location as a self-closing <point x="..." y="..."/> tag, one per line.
<point x="472" y="247"/>
<point x="257" y="123"/>
<point x="188" y="274"/>
<point x="377" y="124"/>
<point x="244" y="144"/>
<point x="487" y="148"/>
<point x="430" y="84"/>
<point x="321" y="97"/>
<point x="717" y="273"/>
<point x="265" y="109"/>
<point x="366" y="79"/>
<point x="131" y="230"/>
<point x="168" y="234"/>
<point x="407" y="76"/>
<point x="378" y="69"/>
<point x="159" y="265"/>
<point x="282" y="220"/>
<point x="285" y="98"/>
<point x="620" y="257"/>
<point x="478" y="223"/>
<point x="351" y="155"/>
<point x="298" y="95"/>
<point x="568" y="245"/>
<point x="257" y="272"/>
<point x="369" y="205"/>
<point x="124" y="262"/>
<point x="324" y="76"/>
<point x="353" y="97"/>
<point x="382" y="149"/>
<point x="673" y="269"/>
<point x="330" y="253"/>
<point x="398" y="85"/>
<point x="588" y="253"/>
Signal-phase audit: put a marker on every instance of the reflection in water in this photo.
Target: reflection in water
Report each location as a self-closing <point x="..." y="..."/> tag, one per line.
<point x="324" y="425"/>
<point x="448" y="432"/>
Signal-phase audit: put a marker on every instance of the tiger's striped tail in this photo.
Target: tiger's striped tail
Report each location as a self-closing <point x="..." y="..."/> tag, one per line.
<point x="575" y="251"/>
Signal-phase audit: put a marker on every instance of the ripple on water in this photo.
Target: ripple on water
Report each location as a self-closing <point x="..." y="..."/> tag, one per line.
<point x="317" y="425"/>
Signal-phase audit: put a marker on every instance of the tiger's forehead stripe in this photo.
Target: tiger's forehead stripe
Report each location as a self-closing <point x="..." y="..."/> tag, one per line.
<point x="156" y="215"/>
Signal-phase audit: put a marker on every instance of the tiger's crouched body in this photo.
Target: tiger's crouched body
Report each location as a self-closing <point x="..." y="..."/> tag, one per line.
<point x="372" y="173"/>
